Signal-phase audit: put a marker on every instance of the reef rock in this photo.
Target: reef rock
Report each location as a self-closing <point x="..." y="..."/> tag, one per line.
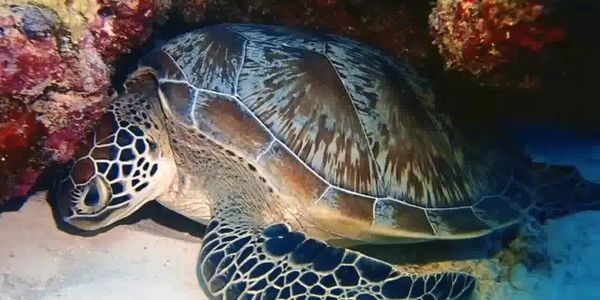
<point x="479" y="36"/>
<point x="55" y="77"/>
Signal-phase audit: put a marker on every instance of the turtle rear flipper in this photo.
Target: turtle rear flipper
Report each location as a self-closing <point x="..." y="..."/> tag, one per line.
<point x="562" y="191"/>
<point x="559" y="191"/>
<point x="245" y="261"/>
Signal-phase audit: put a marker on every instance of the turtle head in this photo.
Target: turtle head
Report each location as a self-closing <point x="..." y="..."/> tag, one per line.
<point x="128" y="163"/>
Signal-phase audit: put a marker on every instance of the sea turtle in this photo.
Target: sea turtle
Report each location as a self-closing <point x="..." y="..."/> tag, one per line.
<point x="285" y="143"/>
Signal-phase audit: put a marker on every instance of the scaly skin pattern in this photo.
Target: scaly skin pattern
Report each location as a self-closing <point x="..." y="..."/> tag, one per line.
<point x="238" y="262"/>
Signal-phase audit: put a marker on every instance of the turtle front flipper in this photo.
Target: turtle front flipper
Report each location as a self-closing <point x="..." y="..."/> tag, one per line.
<point x="245" y="261"/>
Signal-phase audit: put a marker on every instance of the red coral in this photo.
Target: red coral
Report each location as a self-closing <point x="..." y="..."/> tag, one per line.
<point x="28" y="64"/>
<point x="52" y="90"/>
<point x="66" y="141"/>
<point x="480" y="35"/>
<point x="19" y="131"/>
<point x="121" y="25"/>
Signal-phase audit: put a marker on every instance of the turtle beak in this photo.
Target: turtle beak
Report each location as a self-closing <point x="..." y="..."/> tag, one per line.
<point x="64" y="197"/>
<point x="96" y="222"/>
<point x="68" y="196"/>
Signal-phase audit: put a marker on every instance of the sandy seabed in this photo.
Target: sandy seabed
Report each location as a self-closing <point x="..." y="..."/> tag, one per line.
<point x="149" y="261"/>
<point x="38" y="261"/>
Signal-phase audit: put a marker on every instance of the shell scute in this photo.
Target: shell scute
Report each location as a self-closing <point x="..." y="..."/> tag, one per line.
<point x="300" y="97"/>
<point x="211" y="59"/>
<point x="181" y="98"/>
<point x="355" y="206"/>
<point x="395" y="214"/>
<point x="223" y="118"/>
<point x="409" y="140"/>
<point x="345" y="213"/>
<point x="163" y="65"/>
<point x="276" y="35"/>
<point x="456" y="222"/>
<point x="289" y="175"/>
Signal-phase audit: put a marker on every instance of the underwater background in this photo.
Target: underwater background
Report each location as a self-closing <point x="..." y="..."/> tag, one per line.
<point x="529" y="67"/>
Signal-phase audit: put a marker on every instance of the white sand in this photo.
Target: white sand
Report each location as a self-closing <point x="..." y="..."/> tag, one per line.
<point x="38" y="261"/>
<point x="574" y="248"/>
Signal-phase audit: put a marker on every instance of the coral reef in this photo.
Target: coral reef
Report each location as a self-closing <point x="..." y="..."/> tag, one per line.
<point x="55" y="77"/>
<point x="479" y="35"/>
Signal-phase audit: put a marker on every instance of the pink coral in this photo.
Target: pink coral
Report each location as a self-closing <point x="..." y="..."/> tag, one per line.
<point x="22" y="72"/>
<point x="121" y="25"/>
<point x="54" y="85"/>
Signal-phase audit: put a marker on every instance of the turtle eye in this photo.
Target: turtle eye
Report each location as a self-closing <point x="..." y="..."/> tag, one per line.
<point x="92" y="198"/>
<point x="95" y="196"/>
<point x="152" y="145"/>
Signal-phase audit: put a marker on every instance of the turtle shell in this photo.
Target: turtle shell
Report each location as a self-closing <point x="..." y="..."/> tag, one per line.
<point x="344" y="129"/>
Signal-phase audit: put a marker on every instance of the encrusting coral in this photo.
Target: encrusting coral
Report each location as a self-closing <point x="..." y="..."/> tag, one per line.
<point x="55" y="77"/>
<point x="479" y="35"/>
